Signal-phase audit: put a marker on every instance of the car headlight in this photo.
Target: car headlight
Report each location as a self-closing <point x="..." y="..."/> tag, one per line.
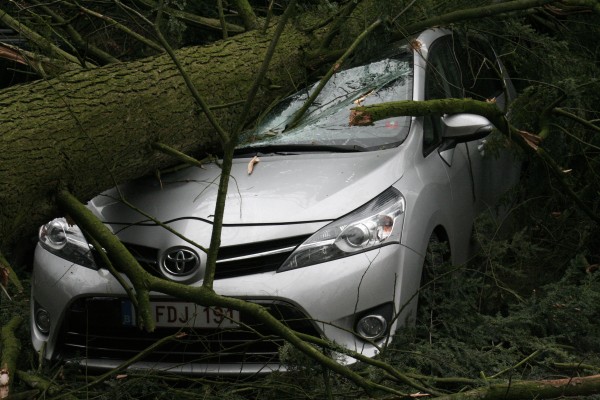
<point x="66" y="241"/>
<point x="375" y="224"/>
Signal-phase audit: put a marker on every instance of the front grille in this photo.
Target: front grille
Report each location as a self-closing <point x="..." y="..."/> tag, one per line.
<point x="232" y="261"/>
<point x="147" y="257"/>
<point x="254" y="258"/>
<point x="93" y="329"/>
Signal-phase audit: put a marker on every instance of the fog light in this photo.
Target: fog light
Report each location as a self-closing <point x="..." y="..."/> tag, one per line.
<point x="371" y="326"/>
<point x="42" y="320"/>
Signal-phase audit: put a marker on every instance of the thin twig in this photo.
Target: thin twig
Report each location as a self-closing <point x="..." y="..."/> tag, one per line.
<point x="78" y="40"/>
<point x="181" y="156"/>
<point x="148" y="350"/>
<point x="584" y="122"/>
<point x="224" y="136"/>
<point x="119" y="26"/>
<point x="222" y="18"/>
<point x="517" y="365"/>
<point x="264" y="67"/>
<point x="300" y="113"/>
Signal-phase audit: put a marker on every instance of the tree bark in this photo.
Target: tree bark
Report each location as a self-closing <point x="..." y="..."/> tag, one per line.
<point x="89" y="130"/>
<point x="543" y="389"/>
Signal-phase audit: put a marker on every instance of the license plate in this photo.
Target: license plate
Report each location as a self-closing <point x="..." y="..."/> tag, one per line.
<point x="179" y="315"/>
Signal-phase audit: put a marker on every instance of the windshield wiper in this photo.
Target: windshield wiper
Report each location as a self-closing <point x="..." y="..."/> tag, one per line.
<point x="292" y="149"/>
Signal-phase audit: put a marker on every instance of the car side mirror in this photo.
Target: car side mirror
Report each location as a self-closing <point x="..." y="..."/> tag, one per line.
<point x="465" y="127"/>
<point x="460" y="128"/>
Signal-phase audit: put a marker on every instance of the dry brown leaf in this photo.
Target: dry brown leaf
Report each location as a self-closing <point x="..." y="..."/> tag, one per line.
<point x="255" y="160"/>
<point x="416" y="44"/>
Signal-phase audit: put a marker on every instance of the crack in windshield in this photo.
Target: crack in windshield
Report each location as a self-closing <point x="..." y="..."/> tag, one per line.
<point x="326" y="123"/>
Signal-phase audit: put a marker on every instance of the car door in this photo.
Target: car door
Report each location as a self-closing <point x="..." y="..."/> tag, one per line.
<point x="444" y="80"/>
<point x="495" y="168"/>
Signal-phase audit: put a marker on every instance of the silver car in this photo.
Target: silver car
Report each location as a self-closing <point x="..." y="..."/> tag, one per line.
<point x="328" y="232"/>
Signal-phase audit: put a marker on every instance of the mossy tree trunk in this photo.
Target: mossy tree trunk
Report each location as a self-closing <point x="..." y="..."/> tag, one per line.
<point x="88" y="130"/>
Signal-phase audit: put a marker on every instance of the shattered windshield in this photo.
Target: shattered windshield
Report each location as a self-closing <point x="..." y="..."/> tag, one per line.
<point x="327" y="120"/>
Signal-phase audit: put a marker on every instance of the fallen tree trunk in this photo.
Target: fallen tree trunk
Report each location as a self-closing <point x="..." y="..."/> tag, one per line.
<point x="89" y="130"/>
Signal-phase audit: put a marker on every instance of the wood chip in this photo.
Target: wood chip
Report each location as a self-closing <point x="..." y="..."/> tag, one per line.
<point x="255" y="160"/>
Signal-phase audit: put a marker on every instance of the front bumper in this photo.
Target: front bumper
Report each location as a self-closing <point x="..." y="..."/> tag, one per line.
<point x="324" y="299"/>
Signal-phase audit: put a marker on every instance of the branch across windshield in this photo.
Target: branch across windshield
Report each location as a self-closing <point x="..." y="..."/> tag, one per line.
<point x="327" y="120"/>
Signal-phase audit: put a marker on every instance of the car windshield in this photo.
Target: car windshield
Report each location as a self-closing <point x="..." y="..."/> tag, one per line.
<point x="326" y="122"/>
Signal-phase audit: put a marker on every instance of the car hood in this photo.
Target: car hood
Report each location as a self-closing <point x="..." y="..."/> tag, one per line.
<point x="281" y="189"/>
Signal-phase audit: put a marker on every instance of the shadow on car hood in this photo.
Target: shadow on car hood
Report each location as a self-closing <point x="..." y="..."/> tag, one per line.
<point x="281" y="189"/>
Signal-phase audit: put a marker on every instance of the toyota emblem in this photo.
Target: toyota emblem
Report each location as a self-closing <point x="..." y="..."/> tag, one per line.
<point x="180" y="261"/>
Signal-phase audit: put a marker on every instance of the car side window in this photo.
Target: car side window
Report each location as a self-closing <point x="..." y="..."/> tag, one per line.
<point x="457" y="68"/>
<point x="442" y="80"/>
<point x="481" y="77"/>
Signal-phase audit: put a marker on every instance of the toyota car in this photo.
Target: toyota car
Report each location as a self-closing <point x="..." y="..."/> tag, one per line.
<point x="328" y="232"/>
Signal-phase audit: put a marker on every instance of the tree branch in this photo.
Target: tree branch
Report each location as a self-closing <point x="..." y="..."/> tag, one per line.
<point x="12" y="277"/>
<point x="200" y="295"/>
<point x="584" y="122"/>
<point x="181" y="156"/>
<point x="47" y="387"/>
<point x="11" y="347"/>
<point x="247" y="13"/>
<point x="469" y="14"/>
<point x="39" y="40"/>
<point x="222" y="19"/>
<point x="593" y="5"/>
<point x="123" y="366"/>
<point x="215" y="239"/>
<point x="262" y="72"/>
<point x="119" y="26"/>
<point x="334" y="28"/>
<point x="300" y="113"/>
<point x="393" y="372"/>
<point x="368" y="114"/>
<point x="192" y="19"/>
<point x="81" y="44"/>
<point x="116" y="251"/>
<point x="224" y="136"/>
